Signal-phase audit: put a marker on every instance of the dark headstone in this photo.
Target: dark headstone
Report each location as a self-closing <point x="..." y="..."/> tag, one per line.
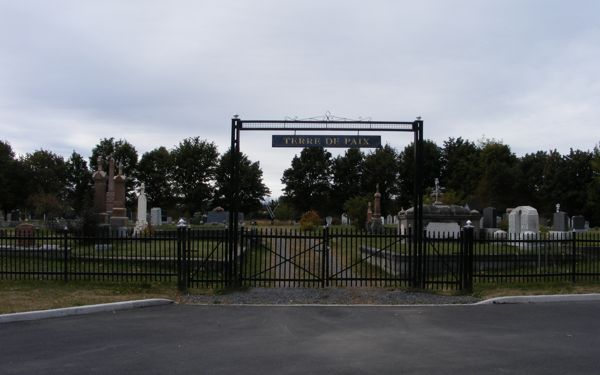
<point x="578" y="223"/>
<point x="25" y="235"/>
<point x="560" y="222"/>
<point x="221" y="217"/>
<point x="489" y="217"/>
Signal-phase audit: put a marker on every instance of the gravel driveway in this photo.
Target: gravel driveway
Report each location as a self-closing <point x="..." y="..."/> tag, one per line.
<point x="336" y="296"/>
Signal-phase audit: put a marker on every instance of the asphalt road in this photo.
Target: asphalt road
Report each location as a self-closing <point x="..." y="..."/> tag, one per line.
<point x="551" y="338"/>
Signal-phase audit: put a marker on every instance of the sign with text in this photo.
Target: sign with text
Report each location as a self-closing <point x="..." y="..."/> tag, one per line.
<point x="341" y="141"/>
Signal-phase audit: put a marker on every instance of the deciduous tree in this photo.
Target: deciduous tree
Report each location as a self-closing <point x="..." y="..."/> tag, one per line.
<point x="252" y="187"/>
<point x="194" y="164"/>
<point x="307" y="182"/>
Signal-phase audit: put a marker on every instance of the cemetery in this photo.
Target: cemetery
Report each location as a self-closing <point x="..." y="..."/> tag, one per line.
<point x="433" y="244"/>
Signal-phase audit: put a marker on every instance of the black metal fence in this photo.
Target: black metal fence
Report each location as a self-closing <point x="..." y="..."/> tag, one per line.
<point x="328" y="257"/>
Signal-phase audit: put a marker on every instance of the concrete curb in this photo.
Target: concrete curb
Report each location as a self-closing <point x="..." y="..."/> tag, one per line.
<point x="542" y="299"/>
<point x="82" y="310"/>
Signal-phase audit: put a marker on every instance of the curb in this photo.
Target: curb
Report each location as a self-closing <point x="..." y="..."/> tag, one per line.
<point x="541" y="299"/>
<point x="82" y="310"/>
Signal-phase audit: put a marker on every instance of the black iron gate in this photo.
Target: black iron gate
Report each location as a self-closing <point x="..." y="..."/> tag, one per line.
<point x="271" y="257"/>
<point x="328" y="124"/>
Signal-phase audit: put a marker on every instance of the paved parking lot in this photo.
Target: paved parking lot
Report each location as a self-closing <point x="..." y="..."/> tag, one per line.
<point x="551" y="338"/>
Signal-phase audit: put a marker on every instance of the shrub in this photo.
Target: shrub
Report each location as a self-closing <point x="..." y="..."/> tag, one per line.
<point x="310" y="220"/>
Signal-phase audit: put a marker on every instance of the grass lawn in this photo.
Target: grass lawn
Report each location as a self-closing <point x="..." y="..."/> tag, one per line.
<point x="485" y="291"/>
<point x="19" y="296"/>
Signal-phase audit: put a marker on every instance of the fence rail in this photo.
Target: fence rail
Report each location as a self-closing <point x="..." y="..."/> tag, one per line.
<point x="327" y="257"/>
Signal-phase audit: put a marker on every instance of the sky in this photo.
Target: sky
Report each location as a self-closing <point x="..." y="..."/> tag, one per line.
<point x="524" y="72"/>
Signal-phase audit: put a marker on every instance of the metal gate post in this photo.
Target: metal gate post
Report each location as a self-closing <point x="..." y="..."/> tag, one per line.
<point x="419" y="238"/>
<point x="182" y="279"/>
<point x="65" y="255"/>
<point x="466" y="253"/>
<point x="574" y="258"/>
<point x="325" y="259"/>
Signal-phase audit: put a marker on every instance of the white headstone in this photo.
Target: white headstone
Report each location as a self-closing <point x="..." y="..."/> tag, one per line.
<point x="345" y="219"/>
<point x="141" y="223"/>
<point x="389" y="219"/>
<point x="523" y="219"/>
<point x="155" y="216"/>
<point x="435" y="229"/>
<point x="142" y="207"/>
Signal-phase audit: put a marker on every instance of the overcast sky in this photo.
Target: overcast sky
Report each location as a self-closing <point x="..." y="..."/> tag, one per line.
<point x="155" y="72"/>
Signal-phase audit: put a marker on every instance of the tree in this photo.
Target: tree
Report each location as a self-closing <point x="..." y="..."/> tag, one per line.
<point x="577" y="176"/>
<point x="356" y="209"/>
<point x="347" y="176"/>
<point x="552" y="185"/>
<point x="155" y="170"/>
<point x="499" y="173"/>
<point x="593" y="201"/>
<point x="78" y="183"/>
<point x="125" y="155"/>
<point x="46" y="172"/>
<point x="194" y="164"/>
<point x="432" y="167"/>
<point x="122" y="151"/>
<point x="9" y="178"/>
<point x="283" y="211"/>
<point x="307" y="181"/>
<point x="460" y="168"/>
<point x="381" y="167"/>
<point x="46" y="176"/>
<point x="531" y="184"/>
<point x="252" y="188"/>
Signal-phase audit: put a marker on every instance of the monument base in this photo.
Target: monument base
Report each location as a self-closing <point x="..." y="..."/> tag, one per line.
<point x="118" y="225"/>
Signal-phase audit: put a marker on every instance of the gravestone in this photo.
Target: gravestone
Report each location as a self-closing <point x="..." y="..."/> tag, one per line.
<point x="560" y="222"/>
<point x="221" y="217"/>
<point x="25" y="235"/>
<point x="345" y="220"/>
<point x="155" y="216"/>
<point x="99" y="178"/>
<point x="523" y="219"/>
<point x="578" y="223"/>
<point x="119" y="218"/>
<point x="376" y="225"/>
<point x="142" y="207"/>
<point x="142" y="210"/>
<point x="442" y="230"/>
<point x="389" y="219"/>
<point x="489" y="217"/>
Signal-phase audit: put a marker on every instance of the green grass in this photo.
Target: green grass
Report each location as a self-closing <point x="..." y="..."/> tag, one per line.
<point x="18" y="296"/>
<point x="491" y="290"/>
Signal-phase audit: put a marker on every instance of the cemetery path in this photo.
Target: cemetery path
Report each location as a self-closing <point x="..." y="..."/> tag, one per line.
<point x="295" y="261"/>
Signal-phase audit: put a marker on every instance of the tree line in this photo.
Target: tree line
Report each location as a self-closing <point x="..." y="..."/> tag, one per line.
<point x="482" y="174"/>
<point x="193" y="177"/>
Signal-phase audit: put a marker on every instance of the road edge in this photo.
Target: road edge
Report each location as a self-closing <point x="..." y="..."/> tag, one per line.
<point x="82" y="310"/>
<point x="541" y="299"/>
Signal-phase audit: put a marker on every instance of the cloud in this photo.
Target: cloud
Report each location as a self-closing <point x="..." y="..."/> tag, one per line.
<point x="153" y="72"/>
